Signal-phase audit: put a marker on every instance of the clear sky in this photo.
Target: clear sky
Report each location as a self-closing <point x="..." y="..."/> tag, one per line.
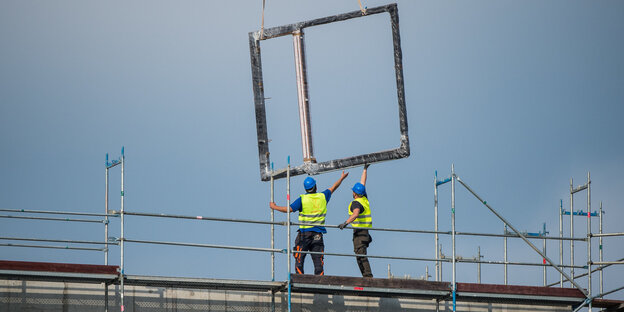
<point x="520" y="95"/>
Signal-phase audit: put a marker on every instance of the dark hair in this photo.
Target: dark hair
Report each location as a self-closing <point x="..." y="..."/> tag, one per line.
<point x="312" y="190"/>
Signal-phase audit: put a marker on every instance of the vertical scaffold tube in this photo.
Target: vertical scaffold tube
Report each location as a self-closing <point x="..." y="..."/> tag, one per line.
<point x="589" y="259"/>
<point x="272" y="239"/>
<point x="106" y="297"/>
<point x="304" y="100"/>
<point x="106" y="216"/>
<point x="288" y="251"/>
<point x="435" y="213"/>
<point x="453" y="229"/>
<point x="272" y="227"/>
<point x="479" y="265"/>
<point x="544" y="261"/>
<point x="571" y="230"/>
<point x="122" y="273"/>
<point x="505" y="255"/>
<point x="106" y="235"/>
<point x="601" y="247"/>
<point x="441" y="271"/>
<point x="561" y="240"/>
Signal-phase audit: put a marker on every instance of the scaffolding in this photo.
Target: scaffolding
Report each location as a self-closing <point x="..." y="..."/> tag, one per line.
<point x="287" y="285"/>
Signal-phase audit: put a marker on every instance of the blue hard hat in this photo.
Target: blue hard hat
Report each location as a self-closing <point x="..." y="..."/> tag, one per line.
<point x="309" y="183"/>
<point x="359" y="189"/>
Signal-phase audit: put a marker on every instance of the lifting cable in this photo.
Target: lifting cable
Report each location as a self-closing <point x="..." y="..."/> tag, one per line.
<point x="363" y="9"/>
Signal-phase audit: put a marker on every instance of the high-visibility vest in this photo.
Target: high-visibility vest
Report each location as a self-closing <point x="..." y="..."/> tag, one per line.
<point x="364" y="219"/>
<point x="313" y="210"/>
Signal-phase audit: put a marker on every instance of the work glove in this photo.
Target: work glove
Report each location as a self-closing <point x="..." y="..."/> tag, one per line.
<point x="342" y="226"/>
<point x="366" y="166"/>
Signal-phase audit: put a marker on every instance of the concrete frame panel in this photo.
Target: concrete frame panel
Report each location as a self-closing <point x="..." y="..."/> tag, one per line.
<point x="311" y="168"/>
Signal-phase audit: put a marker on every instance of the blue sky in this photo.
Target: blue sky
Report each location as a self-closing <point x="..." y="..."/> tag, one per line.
<point x="520" y="96"/>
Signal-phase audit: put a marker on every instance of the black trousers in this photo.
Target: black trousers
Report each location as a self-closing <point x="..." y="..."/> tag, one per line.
<point x="309" y="241"/>
<point x="361" y="240"/>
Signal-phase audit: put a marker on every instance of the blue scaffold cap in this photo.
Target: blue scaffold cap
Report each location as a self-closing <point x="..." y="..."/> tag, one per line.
<point x="309" y="183"/>
<point x="359" y="189"/>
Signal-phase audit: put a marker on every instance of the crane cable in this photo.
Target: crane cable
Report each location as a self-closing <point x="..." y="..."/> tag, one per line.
<point x="363" y="9"/>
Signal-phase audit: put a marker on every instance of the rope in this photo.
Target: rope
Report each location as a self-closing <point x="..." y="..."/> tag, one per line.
<point x="262" y="25"/>
<point x="363" y="9"/>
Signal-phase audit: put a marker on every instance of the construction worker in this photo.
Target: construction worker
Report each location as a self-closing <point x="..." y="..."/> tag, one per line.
<point x="360" y="219"/>
<point x="312" y="207"/>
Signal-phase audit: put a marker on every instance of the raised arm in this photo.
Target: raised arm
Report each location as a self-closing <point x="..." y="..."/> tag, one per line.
<point x="343" y="176"/>
<point x="279" y="208"/>
<point x="363" y="179"/>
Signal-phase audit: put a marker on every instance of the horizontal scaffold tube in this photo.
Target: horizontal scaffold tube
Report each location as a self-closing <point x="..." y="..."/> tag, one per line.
<point x="57" y="241"/>
<point x="163" y="215"/>
<point x="609" y="292"/>
<point x="449" y="233"/>
<point x="203" y="245"/>
<point x="69" y="213"/>
<point x="607" y="234"/>
<point x="519" y="263"/>
<point x="53" y="247"/>
<point x="517" y="236"/>
<point x="602" y="267"/>
<point x="382" y="229"/>
<point x="52" y="219"/>
<point x="370" y="256"/>
<point x="578" y="188"/>
<point x="607" y="262"/>
<point x="433" y="260"/>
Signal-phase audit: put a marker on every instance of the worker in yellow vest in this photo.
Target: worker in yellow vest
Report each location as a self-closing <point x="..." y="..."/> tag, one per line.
<point x="312" y="207"/>
<point x="361" y="220"/>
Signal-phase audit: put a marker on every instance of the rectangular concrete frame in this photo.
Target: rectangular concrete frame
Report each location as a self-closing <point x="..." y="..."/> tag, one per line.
<point x="258" y="88"/>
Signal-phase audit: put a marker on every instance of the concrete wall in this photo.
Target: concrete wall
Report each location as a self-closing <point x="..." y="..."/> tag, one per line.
<point x="25" y="296"/>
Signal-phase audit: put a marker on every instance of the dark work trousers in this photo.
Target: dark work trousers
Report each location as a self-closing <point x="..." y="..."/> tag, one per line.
<point x="361" y="240"/>
<point x="309" y="241"/>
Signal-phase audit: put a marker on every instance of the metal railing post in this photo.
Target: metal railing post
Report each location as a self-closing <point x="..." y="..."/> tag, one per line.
<point x="106" y="217"/>
<point x="601" y="247"/>
<point x="544" y="248"/>
<point x="435" y="213"/>
<point x="272" y="226"/>
<point x="561" y="240"/>
<point x="571" y="229"/>
<point x="479" y="265"/>
<point x="589" y="259"/>
<point x="453" y="231"/>
<point x="106" y="236"/>
<point x="441" y="271"/>
<point x="289" y="249"/>
<point x="505" y="255"/>
<point x="106" y="297"/>
<point x="122" y="273"/>
<point x="109" y="165"/>
<point x="272" y="239"/>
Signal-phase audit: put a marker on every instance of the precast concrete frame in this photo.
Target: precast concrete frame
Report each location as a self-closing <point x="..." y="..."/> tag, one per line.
<point x="310" y="166"/>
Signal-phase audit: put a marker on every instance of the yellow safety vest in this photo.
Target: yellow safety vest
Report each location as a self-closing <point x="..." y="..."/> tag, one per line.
<point x="313" y="210"/>
<point x="364" y="220"/>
